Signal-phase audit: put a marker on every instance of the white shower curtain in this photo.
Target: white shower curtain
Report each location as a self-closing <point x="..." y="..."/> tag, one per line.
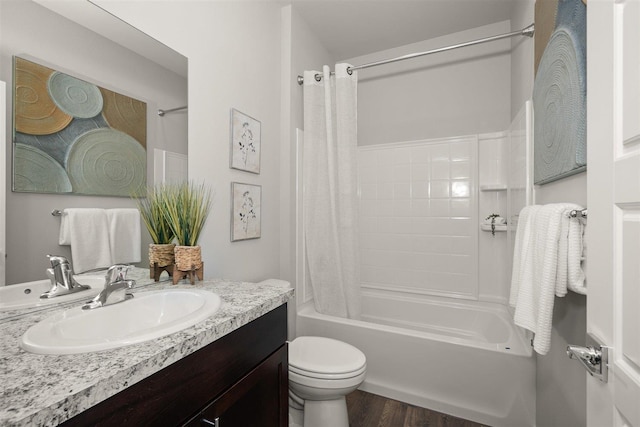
<point x="330" y="190"/>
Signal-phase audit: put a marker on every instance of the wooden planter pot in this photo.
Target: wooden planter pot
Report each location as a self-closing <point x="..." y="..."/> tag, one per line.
<point x="188" y="264"/>
<point x="161" y="258"/>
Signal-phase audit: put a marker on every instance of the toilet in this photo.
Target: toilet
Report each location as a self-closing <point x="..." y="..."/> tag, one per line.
<point x="322" y="371"/>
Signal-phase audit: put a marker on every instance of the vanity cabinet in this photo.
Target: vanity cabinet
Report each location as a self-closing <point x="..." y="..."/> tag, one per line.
<point x="240" y="379"/>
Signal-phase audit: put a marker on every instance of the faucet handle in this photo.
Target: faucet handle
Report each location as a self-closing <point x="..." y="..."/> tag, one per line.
<point x="57" y="260"/>
<point x="116" y="273"/>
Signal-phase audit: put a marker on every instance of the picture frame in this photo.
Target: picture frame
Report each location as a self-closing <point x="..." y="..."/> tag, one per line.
<point x="245" y="142"/>
<point x="246" y="210"/>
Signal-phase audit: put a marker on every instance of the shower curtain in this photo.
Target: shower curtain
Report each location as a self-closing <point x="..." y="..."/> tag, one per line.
<point x="330" y="190"/>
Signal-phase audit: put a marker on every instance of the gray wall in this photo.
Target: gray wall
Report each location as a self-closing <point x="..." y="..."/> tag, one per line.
<point x="460" y="92"/>
<point x="34" y="32"/>
<point x="560" y="382"/>
<point x="234" y="50"/>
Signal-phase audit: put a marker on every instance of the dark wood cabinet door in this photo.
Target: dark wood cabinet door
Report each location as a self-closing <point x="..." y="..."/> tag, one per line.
<point x="258" y="399"/>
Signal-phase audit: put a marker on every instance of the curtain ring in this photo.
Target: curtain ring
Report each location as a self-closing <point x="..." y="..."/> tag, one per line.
<point x="318" y="77"/>
<point x="349" y="71"/>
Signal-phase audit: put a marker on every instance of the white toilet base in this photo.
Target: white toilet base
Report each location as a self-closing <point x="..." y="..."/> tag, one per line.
<point x="323" y="413"/>
<point x="296" y="417"/>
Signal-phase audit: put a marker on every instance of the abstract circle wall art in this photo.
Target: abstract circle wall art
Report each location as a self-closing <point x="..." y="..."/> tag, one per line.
<point x="71" y="136"/>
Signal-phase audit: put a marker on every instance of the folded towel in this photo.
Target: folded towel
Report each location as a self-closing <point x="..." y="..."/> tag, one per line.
<point x="64" y="238"/>
<point x="576" y="279"/>
<point x="87" y="231"/>
<point x="124" y="235"/>
<point x="568" y="253"/>
<point x="563" y="251"/>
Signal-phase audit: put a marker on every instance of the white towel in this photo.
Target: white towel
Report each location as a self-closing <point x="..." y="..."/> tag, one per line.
<point x="87" y="231"/>
<point x="576" y="279"/>
<point x="567" y="250"/>
<point x="563" y="250"/>
<point x="124" y="235"/>
<point x="64" y="238"/>
<point x="522" y="272"/>
<point x="535" y="282"/>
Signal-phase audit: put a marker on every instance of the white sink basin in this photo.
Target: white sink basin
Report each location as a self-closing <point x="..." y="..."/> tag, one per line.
<point x="147" y="316"/>
<point x="27" y="295"/>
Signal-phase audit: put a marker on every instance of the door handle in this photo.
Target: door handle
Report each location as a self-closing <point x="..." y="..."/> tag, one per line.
<point x="595" y="359"/>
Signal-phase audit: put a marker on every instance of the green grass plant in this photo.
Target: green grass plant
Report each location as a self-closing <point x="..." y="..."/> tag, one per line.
<point x="186" y="207"/>
<point x="152" y="210"/>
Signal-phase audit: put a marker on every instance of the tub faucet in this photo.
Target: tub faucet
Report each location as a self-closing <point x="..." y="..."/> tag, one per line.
<point x="61" y="276"/>
<point x="115" y="289"/>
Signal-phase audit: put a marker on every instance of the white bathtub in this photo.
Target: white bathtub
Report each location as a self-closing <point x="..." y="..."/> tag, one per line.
<point x="464" y="358"/>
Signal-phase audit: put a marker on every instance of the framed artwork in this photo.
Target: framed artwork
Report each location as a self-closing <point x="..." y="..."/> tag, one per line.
<point x="245" y="142"/>
<point x="246" y="200"/>
<point x="74" y="137"/>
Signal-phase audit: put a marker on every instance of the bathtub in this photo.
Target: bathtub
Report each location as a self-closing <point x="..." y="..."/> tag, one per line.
<point x="464" y="358"/>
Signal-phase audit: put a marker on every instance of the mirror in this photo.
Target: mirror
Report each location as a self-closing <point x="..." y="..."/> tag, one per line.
<point x="81" y="39"/>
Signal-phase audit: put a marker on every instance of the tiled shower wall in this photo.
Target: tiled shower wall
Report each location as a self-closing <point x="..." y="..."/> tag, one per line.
<point x="419" y="216"/>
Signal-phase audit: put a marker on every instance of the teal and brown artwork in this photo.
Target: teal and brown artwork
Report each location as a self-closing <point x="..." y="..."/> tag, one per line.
<point x="560" y="91"/>
<point x="74" y="137"/>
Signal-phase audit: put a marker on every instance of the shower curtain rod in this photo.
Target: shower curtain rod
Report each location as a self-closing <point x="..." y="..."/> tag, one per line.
<point x="163" y="112"/>
<point x="528" y="32"/>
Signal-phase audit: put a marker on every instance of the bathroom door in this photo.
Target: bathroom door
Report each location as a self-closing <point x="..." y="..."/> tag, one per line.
<point x="613" y="230"/>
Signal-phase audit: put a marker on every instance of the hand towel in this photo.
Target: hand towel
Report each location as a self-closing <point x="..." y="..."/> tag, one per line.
<point x="64" y="238"/>
<point x="124" y="235"/>
<point x="87" y="231"/>
<point x="576" y="276"/>
<point x="564" y="253"/>
<point x="563" y="250"/>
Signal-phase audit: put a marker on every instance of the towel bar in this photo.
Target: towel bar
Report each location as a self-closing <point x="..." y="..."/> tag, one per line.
<point x="578" y="213"/>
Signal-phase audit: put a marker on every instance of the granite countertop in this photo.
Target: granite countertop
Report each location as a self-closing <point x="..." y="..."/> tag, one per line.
<point x="45" y="390"/>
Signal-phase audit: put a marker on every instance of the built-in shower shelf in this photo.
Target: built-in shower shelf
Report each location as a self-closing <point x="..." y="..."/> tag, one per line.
<point x="493" y="187"/>
<point x="499" y="227"/>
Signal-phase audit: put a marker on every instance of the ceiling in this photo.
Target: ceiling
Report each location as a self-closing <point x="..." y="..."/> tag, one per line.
<point x="350" y="28"/>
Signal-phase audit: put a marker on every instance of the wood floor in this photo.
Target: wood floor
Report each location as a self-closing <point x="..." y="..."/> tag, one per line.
<point x="370" y="410"/>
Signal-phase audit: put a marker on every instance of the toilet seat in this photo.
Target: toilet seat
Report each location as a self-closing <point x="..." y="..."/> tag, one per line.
<point x="325" y="358"/>
<point x="326" y="376"/>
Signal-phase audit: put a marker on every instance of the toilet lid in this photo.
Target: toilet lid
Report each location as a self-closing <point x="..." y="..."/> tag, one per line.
<point x="325" y="356"/>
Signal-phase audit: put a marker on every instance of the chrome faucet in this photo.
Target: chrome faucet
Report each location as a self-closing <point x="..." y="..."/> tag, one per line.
<point x="115" y="288"/>
<point x="116" y="273"/>
<point x="61" y="276"/>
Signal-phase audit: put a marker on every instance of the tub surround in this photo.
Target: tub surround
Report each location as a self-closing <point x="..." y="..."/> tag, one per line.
<point x="48" y="389"/>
